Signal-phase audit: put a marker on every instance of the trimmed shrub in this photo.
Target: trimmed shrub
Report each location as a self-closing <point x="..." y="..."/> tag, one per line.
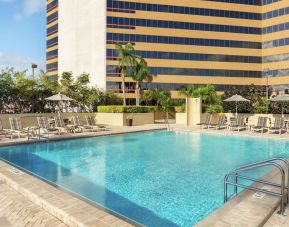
<point x="125" y="109"/>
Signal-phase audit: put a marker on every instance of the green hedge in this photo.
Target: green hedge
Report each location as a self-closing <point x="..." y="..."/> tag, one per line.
<point x="125" y="109"/>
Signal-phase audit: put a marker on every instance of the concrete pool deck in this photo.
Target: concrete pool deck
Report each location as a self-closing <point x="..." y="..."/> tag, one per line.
<point x="43" y="201"/>
<point x="4" y="141"/>
<point x="51" y="206"/>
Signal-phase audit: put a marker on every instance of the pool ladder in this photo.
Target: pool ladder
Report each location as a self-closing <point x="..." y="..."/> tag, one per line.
<point x="281" y="164"/>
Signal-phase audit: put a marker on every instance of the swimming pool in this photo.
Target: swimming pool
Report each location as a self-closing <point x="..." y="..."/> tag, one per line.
<point x="156" y="178"/>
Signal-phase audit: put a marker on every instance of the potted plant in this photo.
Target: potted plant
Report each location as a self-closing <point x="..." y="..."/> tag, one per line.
<point x="129" y="120"/>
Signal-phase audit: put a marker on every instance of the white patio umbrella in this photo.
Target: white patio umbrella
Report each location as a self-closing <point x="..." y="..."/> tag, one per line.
<point x="59" y="98"/>
<point x="280" y="98"/>
<point x="236" y="99"/>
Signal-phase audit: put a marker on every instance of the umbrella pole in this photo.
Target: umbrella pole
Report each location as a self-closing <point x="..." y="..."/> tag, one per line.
<point x="236" y="109"/>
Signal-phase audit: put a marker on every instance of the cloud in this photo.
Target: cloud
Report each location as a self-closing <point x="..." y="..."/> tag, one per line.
<point x="28" y="8"/>
<point x="33" y="6"/>
<point x="19" y="62"/>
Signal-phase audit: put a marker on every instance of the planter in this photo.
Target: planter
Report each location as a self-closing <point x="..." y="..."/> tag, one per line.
<point x="129" y="122"/>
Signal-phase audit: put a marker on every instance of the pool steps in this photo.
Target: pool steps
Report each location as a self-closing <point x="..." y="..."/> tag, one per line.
<point x="279" y="163"/>
<point x="247" y="209"/>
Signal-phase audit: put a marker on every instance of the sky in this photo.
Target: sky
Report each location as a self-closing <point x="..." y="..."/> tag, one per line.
<point x="22" y="33"/>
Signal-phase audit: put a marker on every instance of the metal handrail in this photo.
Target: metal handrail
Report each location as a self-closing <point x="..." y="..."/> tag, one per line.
<point x="285" y="161"/>
<point x="269" y="162"/>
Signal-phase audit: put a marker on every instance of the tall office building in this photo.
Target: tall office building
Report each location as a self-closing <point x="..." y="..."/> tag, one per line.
<point x="221" y="42"/>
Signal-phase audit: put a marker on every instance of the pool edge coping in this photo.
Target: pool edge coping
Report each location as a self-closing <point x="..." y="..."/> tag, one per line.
<point x="18" y="181"/>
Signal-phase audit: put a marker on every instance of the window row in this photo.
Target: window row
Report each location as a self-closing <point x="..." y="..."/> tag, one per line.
<point x="51" y="5"/>
<point x="276" y="28"/>
<point x="277" y="72"/>
<point x="276" y="43"/>
<point x="116" y="86"/>
<point x="181" y="25"/>
<point x="247" y="2"/>
<point x="52" y="54"/>
<point x="114" y="71"/>
<point x="52" y="42"/>
<point x="276" y="58"/>
<point x="276" y="13"/>
<point x="52" y="67"/>
<point x="131" y="7"/>
<point x="52" y="29"/>
<point x="52" y="17"/>
<point x="124" y="38"/>
<point x="112" y="55"/>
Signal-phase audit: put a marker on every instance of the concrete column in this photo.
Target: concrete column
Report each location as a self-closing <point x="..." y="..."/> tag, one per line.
<point x="194" y="111"/>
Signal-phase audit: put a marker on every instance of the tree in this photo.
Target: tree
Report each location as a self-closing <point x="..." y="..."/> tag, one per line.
<point x="19" y="93"/>
<point x="207" y="93"/>
<point x="140" y="73"/>
<point x="154" y="97"/>
<point x="261" y="106"/>
<point x="126" y="60"/>
<point x="256" y="95"/>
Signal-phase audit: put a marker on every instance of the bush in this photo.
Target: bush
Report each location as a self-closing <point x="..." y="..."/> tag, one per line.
<point x="180" y="109"/>
<point x="125" y="109"/>
<point x="216" y="108"/>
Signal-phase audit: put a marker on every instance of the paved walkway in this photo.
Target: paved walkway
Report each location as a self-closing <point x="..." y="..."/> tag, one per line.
<point x="16" y="210"/>
<point x="278" y="220"/>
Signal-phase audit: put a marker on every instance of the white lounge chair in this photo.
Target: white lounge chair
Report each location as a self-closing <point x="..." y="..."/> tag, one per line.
<point x="77" y="123"/>
<point x="91" y="122"/>
<point x="59" y="124"/>
<point x="261" y="125"/>
<point x="221" y="123"/>
<point x="239" y="124"/>
<point x="16" y="128"/>
<point x="207" y="122"/>
<point x="46" y="128"/>
<point x="278" y="126"/>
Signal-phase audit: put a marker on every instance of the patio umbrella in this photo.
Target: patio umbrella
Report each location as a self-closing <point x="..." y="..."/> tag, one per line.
<point x="236" y="99"/>
<point x="59" y="98"/>
<point x="280" y="98"/>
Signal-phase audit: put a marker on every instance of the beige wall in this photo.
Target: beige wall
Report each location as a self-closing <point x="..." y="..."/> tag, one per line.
<point x="115" y="119"/>
<point x="181" y="118"/>
<point x="119" y="119"/>
<point x="141" y="118"/>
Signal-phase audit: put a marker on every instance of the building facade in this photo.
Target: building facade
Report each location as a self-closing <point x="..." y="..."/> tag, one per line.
<point x="221" y="42"/>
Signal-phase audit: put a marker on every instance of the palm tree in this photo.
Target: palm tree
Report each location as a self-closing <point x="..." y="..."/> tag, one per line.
<point x="155" y="97"/>
<point x="126" y="60"/>
<point x="140" y="73"/>
<point x="207" y="93"/>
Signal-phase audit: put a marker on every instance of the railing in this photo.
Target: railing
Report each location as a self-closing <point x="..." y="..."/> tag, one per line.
<point x="275" y="162"/>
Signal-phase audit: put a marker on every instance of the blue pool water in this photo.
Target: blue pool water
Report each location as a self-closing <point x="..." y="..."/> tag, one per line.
<point x="156" y="178"/>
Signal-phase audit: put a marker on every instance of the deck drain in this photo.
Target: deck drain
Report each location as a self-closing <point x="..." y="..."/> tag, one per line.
<point x="261" y="195"/>
<point x="15" y="171"/>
